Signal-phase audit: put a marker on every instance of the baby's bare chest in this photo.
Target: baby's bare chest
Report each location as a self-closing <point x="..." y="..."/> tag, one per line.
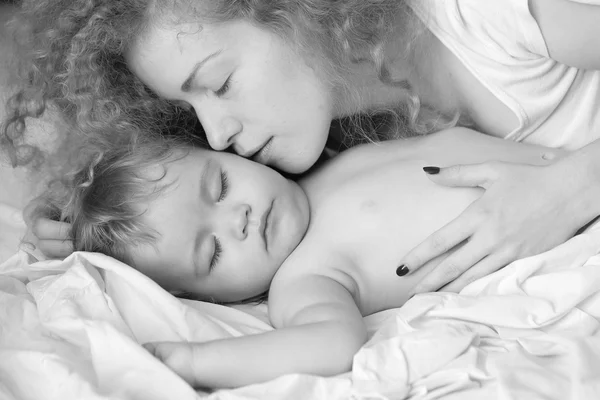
<point x="360" y="232"/>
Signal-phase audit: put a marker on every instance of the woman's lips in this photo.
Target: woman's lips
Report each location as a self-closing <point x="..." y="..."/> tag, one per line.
<point x="263" y="155"/>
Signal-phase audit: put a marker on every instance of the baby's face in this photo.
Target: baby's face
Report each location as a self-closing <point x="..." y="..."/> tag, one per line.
<point x="225" y="225"/>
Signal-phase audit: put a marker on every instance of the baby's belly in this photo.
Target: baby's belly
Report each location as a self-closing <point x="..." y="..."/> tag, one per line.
<point x="374" y="233"/>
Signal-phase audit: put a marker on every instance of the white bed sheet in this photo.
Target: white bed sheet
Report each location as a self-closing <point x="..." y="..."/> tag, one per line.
<point x="71" y="330"/>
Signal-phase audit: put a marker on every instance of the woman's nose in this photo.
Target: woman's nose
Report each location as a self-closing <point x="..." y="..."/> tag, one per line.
<point x="239" y="221"/>
<point x="220" y="131"/>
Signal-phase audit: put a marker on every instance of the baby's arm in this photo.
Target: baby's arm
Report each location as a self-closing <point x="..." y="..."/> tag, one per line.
<point x="319" y="330"/>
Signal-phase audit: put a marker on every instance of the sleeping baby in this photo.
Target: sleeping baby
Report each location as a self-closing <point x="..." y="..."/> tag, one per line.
<point x="325" y="248"/>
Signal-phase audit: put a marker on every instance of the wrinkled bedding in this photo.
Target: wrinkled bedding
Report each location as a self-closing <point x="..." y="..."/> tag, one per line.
<point x="72" y="329"/>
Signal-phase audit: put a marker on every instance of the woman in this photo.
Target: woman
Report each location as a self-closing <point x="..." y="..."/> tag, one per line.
<point x="265" y="78"/>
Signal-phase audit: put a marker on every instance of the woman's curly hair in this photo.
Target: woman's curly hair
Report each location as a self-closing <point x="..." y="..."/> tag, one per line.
<point x="75" y="62"/>
<point x="72" y="59"/>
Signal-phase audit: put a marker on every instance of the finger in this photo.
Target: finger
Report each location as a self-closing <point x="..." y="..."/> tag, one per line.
<point x="40" y="207"/>
<point x="55" y="248"/>
<point x="44" y="228"/>
<point x="29" y="212"/>
<point x="475" y="175"/>
<point x="451" y="268"/>
<point x="160" y="350"/>
<point x="485" y="267"/>
<point x="442" y="240"/>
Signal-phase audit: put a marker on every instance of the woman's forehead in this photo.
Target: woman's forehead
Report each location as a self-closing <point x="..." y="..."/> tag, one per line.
<point x="173" y="13"/>
<point x="183" y="36"/>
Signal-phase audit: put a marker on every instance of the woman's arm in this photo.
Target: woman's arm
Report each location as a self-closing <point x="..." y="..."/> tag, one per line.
<point x="319" y="330"/>
<point x="525" y="210"/>
<point x="571" y="31"/>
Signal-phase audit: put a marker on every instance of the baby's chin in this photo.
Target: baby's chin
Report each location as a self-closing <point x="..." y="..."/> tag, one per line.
<point x="287" y="248"/>
<point x="295" y="222"/>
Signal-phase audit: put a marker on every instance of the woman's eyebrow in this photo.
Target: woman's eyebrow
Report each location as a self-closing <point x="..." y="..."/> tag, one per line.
<point x="187" y="84"/>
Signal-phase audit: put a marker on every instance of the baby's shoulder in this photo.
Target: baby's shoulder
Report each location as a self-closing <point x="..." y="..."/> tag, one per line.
<point x="310" y="261"/>
<point x="309" y="284"/>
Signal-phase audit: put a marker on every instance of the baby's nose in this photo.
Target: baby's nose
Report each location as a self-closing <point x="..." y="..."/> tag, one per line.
<point x="240" y="221"/>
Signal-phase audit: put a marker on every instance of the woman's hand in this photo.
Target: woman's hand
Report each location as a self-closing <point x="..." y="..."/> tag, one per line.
<point x="49" y="236"/>
<point x="524" y="211"/>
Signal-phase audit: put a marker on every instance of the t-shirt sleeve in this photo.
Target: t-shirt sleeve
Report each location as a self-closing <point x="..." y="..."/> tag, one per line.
<point x="489" y="27"/>
<point x="504" y="25"/>
<point x="533" y="36"/>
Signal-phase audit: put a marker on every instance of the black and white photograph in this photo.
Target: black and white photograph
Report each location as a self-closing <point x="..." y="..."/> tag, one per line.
<point x="300" y="199"/>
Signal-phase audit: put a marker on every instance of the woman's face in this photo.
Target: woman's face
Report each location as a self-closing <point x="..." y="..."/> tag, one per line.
<point x="249" y="89"/>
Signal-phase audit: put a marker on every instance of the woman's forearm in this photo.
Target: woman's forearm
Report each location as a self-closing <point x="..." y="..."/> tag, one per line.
<point x="325" y="348"/>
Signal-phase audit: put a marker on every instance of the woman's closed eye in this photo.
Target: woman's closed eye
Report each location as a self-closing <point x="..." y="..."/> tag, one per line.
<point x="224" y="186"/>
<point x="218" y="250"/>
<point x="225" y="88"/>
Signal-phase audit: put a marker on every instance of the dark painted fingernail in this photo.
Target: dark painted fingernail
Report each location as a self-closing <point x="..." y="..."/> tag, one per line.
<point x="402" y="270"/>
<point x="431" y="170"/>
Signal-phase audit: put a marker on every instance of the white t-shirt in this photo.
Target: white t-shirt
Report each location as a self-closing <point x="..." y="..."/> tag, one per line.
<point x="502" y="45"/>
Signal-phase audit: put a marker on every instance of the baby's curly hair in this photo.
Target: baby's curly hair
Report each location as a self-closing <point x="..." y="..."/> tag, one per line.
<point x="76" y="48"/>
<point x="106" y="200"/>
